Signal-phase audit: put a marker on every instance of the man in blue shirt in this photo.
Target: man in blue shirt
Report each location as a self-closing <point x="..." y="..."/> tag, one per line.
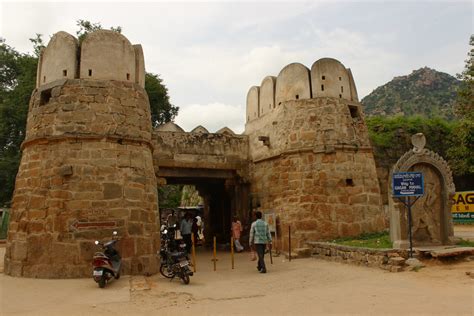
<point x="259" y="237"/>
<point x="185" y="228"/>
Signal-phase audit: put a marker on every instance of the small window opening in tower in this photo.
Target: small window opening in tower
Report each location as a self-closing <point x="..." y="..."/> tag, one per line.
<point x="322" y="87"/>
<point x="324" y="77"/>
<point x="349" y="182"/>
<point x="90" y="72"/>
<point x="279" y="103"/>
<point x="128" y="76"/>
<point x="64" y="73"/>
<point x="248" y="118"/>
<point x="45" y="96"/>
<point x="342" y="89"/>
<point x="297" y="96"/>
<point x="44" y="78"/>
<point x="340" y="96"/>
<point x="354" y="111"/>
<point x="340" y="78"/>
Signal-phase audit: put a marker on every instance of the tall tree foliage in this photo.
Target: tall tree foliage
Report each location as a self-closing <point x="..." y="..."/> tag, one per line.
<point x="461" y="154"/>
<point x="391" y="136"/>
<point x="162" y="111"/>
<point x="18" y="80"/>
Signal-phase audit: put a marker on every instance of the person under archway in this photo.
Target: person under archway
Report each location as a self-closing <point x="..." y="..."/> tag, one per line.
<point x="236" y="232"/>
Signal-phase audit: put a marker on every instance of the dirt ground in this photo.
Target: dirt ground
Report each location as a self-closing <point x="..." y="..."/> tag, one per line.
<point x="299" y="287"/>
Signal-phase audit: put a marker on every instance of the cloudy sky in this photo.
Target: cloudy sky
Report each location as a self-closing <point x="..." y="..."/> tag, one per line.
<point x="210" y="53"/>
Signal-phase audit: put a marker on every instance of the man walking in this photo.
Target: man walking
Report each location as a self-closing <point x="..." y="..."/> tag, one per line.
<point x="259" y="237"/>
<point x="186" y="227"/>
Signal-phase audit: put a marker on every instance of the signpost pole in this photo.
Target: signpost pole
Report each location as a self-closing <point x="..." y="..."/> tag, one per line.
<point x="408" y="204"/>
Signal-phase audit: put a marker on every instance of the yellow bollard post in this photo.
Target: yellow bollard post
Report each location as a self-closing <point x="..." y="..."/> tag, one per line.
<point x="232" y="251"/>
<point x="215" y="260"/>
<point x="193" y="253"/>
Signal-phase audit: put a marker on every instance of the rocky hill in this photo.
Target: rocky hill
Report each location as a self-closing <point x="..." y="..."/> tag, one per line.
<point x="424" y="92"/>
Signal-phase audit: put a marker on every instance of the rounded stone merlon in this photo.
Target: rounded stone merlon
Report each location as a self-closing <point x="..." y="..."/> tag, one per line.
<point x="329" y="78"/>
<point x="293" y="83"/>
<point x="354" y="95"/>
<point x="225" y="130"/>
<point x="253" y="107"/>
<point x="58" y="60"/>
<point x="170" y="127"/>
<point x="107" y="55"/>
<point x="139" y="65"/>
<point x="267" y="95"/>
<point x="200" y="130"/>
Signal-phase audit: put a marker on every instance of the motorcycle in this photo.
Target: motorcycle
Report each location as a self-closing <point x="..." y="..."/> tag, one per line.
<point x="106" y="264"/>
<point x="173" y="256"/>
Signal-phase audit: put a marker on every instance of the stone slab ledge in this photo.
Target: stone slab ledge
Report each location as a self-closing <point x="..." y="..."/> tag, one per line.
<point x="392" y="260"/>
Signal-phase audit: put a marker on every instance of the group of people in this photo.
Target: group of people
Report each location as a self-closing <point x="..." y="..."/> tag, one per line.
<point x="259" y="239"/>
<point x="188" y="226"/>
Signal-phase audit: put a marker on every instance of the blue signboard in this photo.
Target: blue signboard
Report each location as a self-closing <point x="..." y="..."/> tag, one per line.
<point x="407" y="184"/>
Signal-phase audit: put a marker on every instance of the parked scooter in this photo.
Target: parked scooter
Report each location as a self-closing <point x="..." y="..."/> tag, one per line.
<point x="108" y="263"/>
<point x="173" y="256"/>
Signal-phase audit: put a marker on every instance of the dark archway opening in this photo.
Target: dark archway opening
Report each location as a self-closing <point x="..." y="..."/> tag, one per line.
<point x="223" y="193"/>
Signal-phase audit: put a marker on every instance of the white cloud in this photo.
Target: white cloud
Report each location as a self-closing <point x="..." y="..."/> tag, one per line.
<point x="213" y="117"/>
<point x="210" y="54"/>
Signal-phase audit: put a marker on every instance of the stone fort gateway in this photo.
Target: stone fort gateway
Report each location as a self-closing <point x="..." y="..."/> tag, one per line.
<point x="92" y="163"/>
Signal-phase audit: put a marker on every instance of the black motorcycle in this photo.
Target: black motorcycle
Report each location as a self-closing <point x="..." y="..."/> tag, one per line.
<point x="173" y="256"/>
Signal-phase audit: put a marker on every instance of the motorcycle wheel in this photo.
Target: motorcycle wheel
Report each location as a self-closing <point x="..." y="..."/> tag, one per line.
<point x="185" y="277"/>
<point x="164" y="271"/>
<point x="102" y="282"/>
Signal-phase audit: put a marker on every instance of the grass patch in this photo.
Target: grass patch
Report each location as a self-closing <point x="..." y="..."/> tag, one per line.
<point x="372" y="240"/>
<point x="465" y="243"/>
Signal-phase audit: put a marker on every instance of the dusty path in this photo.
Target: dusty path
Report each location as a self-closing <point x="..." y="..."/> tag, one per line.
<point x="300" y="287"/>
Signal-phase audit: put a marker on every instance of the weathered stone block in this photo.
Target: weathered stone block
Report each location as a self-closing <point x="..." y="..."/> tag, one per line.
<point x="19" y="250"/>
<point x="112" y="191"/>
<point x="135" y="228"/>
<point x="396" y="261"/>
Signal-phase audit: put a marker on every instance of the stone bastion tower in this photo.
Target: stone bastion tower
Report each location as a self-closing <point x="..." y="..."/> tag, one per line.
<point x="311" y="162"/>
<point x="86" y="168"/>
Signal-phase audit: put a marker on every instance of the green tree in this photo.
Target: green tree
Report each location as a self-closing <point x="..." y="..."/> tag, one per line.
<point x="461" y="153"/>
<point x="465" y="95"/>
<point x="169" y="196"/>
<point x="17" y="81"/>
<point x="391" y="136"/>
<point x="162" y="111"/>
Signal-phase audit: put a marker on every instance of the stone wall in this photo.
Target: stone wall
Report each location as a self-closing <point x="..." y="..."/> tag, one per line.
<point x="316" y="171"/>
<point x="86" y="170"/>
<point x="387" y="259"/>
<point x="200" y="150"/>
